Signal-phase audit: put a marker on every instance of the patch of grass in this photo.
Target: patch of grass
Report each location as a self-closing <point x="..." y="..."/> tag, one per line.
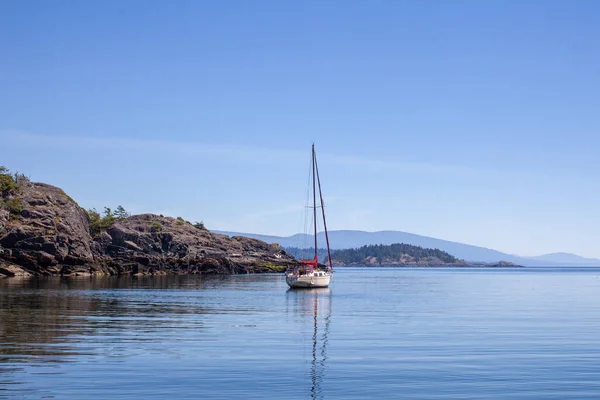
<point x="180" y="221"/>
<point x="155" y="226"/>
<point x="272" y="267"/>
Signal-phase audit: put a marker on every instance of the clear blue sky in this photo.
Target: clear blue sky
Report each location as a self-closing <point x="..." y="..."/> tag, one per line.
<point x="473" y="121"/>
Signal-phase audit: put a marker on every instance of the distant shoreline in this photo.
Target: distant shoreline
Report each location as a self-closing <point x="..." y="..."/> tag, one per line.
<point x="528" y="267"/>
<point x="436" y="266"/>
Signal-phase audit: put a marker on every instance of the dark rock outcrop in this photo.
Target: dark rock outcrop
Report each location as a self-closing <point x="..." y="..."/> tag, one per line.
<point x="44" y="232"/>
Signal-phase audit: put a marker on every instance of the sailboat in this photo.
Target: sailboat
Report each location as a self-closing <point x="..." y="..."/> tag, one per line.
<point x="311" y="274"/>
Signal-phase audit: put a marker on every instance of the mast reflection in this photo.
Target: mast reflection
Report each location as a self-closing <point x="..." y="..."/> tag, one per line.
<point x="316" y="305"/>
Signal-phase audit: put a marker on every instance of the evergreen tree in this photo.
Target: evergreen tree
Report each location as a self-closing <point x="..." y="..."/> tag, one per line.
<point x="120" y="212"/>
<point x="391" y="252"/>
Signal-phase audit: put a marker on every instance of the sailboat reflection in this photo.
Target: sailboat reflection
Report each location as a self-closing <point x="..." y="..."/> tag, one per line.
<point x="312" y="304"/>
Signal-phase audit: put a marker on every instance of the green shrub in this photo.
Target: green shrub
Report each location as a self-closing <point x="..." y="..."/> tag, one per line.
<point x="14" y="206"/>
<point x="7" y="183"/>
<point x="99" y="224"/>
<point x="180" y="221"/>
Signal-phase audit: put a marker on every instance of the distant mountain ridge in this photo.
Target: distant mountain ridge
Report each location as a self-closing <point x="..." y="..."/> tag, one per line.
<point x="347" y="239"/>
<point x="567" y="258"/>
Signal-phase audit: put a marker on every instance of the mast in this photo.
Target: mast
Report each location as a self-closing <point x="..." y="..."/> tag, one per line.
<point x="322" y="209"/>
<point x="314" y="168"/>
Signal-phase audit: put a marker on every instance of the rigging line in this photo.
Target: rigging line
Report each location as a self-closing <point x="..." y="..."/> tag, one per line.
<point x="323" y="210"/>
<point x="306" y="202"/>
<point x="303" y="228"/>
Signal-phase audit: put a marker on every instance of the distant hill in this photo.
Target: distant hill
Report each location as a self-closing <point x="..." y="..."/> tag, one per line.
<point x="566" y="258"/>
<point x="347" y="239"/>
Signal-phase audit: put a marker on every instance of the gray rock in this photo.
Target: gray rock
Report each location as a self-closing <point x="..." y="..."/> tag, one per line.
<point x="51" y="236"/>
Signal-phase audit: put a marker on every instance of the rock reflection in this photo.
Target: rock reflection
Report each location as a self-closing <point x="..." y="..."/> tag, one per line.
<point x="57" y="320"/>
<point x="316" y="305"/>
<point x="115" y="282"/>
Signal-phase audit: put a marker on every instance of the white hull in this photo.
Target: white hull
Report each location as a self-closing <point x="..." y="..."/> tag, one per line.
<point x="310" y="280"/>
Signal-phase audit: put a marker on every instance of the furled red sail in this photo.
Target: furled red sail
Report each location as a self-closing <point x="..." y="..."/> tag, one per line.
<point x="313" y="263"/>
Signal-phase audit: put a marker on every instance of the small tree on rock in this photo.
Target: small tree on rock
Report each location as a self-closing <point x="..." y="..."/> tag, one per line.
<point x="200" y="225"/>
<point x="120" y="212"/>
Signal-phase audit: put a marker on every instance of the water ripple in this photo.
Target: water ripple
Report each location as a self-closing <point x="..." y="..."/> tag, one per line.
<point x="376" y="333"/>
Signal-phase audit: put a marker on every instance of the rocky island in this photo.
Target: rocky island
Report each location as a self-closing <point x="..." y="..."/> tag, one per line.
<point x="43" y="231"/>
<point x="393" y="255"/>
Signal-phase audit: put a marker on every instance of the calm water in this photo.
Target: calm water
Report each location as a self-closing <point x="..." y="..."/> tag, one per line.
<point x="376" y="333"/>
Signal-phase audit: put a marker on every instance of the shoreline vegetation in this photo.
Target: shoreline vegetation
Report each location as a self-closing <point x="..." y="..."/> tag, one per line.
<point x="394" y="255"/>
<point x="44" y="232"/>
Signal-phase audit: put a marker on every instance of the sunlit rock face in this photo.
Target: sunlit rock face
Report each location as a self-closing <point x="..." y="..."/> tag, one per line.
<point x="45" y="232"/>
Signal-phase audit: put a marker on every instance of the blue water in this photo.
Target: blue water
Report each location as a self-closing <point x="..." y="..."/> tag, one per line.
<point x="375" y="333"/>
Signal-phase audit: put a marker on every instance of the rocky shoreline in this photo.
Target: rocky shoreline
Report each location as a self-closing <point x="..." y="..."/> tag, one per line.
<point x="45" y="232"/>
